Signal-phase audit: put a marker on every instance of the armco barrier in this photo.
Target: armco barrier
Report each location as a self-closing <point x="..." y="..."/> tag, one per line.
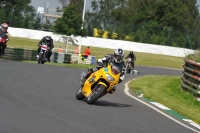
<point x="190" y="80"/>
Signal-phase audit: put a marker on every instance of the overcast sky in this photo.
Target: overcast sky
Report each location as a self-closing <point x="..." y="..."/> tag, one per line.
<point x="53" y="4"/>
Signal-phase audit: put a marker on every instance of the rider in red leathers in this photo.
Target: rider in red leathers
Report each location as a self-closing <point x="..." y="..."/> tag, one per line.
<point x="3" y="38"/>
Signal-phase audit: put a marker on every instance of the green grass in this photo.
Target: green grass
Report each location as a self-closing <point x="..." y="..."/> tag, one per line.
<point x="162" y="89"/>
<point x="145" y="59"/>
<point x="167" y="91"/>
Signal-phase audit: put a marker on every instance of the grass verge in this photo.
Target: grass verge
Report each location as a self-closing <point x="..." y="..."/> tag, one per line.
<point x="167" y="91"/>
<point x="145" y="59"/>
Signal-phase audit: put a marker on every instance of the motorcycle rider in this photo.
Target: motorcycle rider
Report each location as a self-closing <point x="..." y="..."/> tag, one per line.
<point x="115" y="59"/>
<point x="132" y="56"/>
<point x="3" y="38"/>
<point x="47" y="40"/>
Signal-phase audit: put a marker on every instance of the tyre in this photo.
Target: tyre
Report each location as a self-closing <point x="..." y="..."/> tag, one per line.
<point x="128" y="71"/>
<point x="128" y="68"/>
<point x="96" y="93"/>
<point x="40" y="58"/>
<point x="42" y="62"/>
<point x="79" y="94"/>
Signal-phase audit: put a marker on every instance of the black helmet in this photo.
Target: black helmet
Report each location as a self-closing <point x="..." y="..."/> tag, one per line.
<point x="131" y="52"/>
<point x="118" y="55"/>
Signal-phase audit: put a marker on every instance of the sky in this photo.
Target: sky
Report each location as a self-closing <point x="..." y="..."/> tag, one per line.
<point x="53" y="4"/>
<point x="198" y="3"/>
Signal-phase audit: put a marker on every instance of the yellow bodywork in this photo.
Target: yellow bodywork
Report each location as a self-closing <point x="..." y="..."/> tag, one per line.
<point x="96" y="77"/>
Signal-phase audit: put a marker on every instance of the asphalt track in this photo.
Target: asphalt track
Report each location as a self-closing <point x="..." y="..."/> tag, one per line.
<point x="41" y="99"/>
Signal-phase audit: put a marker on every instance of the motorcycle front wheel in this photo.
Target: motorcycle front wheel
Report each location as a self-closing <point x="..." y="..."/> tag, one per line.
<point x="96" y="93"/>
<point x="128" y="70"/>
<point x="79" y="94"/>
<point x="40" y="58"/>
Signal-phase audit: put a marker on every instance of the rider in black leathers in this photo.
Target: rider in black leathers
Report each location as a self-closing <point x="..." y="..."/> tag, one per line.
<point x="116" y="59"/>
<point x="47" y="40"/>
<point x="3" y="38"/>
<point x="133" y="58"/>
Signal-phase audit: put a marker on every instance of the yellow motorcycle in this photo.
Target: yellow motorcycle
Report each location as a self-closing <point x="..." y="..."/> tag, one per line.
<point x="99" y="83"/>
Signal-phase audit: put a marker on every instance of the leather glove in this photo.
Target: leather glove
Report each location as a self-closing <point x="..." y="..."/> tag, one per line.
<point x="90" y="70"/>
<point x="100" y="62"/>
<point x="121" y="79"/>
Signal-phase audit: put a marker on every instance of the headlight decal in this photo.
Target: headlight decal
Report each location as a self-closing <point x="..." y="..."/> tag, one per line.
<point x="109" y="78"/>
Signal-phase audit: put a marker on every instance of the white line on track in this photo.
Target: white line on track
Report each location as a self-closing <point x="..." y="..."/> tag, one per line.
<point x="126" y="90"/>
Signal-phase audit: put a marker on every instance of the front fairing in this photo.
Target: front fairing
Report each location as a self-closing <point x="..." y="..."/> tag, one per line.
<point x="100" y="77"/>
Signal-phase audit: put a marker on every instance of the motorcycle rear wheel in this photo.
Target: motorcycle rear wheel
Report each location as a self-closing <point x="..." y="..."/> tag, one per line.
<point x="96" y="93"/>
<point x="79" y="94"/>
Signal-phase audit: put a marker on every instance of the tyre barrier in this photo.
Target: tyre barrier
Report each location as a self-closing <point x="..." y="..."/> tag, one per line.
<point x="19" y="54"/>
<point x="190" y="80"/>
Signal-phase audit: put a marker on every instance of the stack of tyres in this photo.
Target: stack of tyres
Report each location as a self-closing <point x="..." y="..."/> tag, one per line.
<point x="27" y="54"/>
<point x="9" y="52"/>
<point x="55" y="57"/>
<point x="18" y="54"/>
<point x="67" y="58"/>
<point x="34" y="53"/>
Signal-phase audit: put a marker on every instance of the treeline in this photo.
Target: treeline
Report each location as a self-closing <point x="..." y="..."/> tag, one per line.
<point x="163" y="22"/>
<point x="20" y="14"/>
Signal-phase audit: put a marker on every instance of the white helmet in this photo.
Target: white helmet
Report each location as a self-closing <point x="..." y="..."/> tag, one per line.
<point x="48" y="37"/>
<point x="118" y="55"/>
<point x="4" y="27"/>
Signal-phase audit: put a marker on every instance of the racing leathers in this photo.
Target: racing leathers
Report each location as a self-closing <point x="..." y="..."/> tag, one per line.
<point x="50" y="46"/>
<point x="133" y="58"/>
<point x="3" y="40"/>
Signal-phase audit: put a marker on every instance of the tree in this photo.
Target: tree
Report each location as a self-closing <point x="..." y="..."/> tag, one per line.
<point x="37" y="23"/>
<point x="15" y="12"/>
<point x="70" y="23"/>
<point x="64" y="3"/>
<point x="47" y="26"/>
<point x="147" y="19"/>
<point x="79" y="4"/>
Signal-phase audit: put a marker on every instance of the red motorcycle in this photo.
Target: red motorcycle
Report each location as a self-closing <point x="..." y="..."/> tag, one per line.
<point x="43" y="54"/>
<point x="129" y="66"/>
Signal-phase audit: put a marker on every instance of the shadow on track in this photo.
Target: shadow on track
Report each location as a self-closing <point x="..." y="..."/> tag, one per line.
<point x="106" y="104"/>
